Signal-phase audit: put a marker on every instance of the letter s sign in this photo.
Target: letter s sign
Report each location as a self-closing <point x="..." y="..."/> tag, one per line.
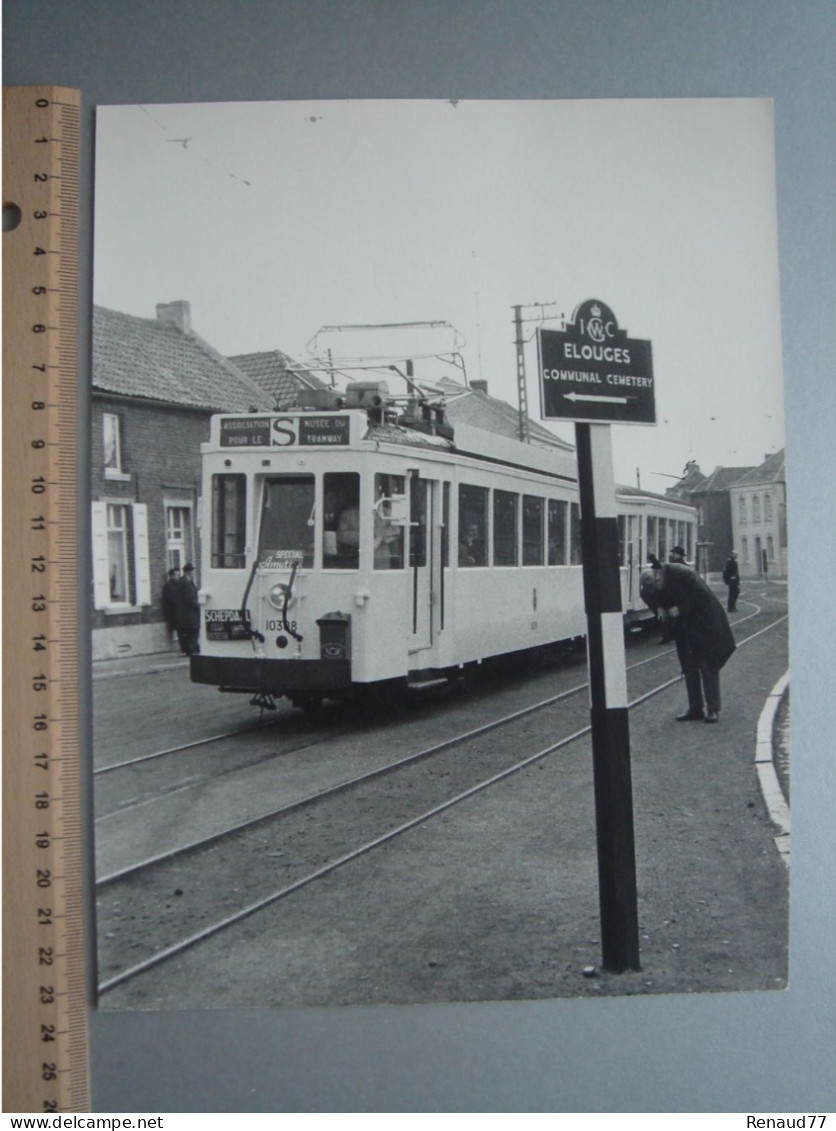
<point x="284" y="432"/>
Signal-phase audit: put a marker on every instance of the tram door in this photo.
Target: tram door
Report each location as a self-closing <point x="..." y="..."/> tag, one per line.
<point x="422" y="560"/>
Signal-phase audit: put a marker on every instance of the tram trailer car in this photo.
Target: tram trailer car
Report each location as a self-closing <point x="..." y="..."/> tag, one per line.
<point x="348" y="546"/>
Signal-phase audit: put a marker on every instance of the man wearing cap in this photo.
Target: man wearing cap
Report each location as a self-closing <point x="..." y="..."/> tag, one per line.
<point x="731" y="576"/>
<point x="704" y="640"/>
<point x="187" y="608"/>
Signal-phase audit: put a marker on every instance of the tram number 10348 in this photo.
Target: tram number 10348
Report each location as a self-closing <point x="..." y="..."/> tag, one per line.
<point x="279" y="625"/>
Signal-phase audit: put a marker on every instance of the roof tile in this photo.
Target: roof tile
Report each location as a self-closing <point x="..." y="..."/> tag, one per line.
<point x="149" y="359"/>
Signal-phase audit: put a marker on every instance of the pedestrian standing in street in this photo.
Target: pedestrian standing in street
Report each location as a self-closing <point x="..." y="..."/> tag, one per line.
<point x="169" y="603"/>
<point x="704" y="640"/>
<point x="731" y="576"/>
<point x="188" y="612"/>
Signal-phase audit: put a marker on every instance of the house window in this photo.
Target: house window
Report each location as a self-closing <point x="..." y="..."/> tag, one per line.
<point x="178" y="535"/>
<point x="743" y="508"/>
<point x="121" y="577"/>
<point x="756" y="508"/>
<point x="767" y="508"/>
<point x="117" y="554"/>
<point x="770" y="547"/>
<point x="744" y="549"/>
<point x="112" y="442"/>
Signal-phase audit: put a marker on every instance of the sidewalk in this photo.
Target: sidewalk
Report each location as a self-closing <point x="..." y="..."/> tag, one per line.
<point x="150" y="664"/>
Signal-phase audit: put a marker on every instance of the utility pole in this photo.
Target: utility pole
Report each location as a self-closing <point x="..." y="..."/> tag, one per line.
<point x="523" y="427"/>
<point x="522" y="393"/>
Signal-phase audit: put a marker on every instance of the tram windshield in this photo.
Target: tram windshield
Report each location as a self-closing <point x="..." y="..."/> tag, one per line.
<point x="341" y="520"/>
<point x="389" y="537"/>
<point x="286" y="534"/>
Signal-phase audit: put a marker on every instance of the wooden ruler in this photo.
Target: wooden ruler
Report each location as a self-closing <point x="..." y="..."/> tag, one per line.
<point x="45" y="1002"/>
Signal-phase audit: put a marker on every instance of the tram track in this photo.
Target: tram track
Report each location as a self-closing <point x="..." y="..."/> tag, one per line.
<point x="138" y="762"/>
<point x="204" y="888"/>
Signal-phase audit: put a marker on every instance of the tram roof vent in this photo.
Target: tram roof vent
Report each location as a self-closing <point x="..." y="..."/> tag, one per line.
<point x="327" y="399"/>
<point x="366" y="394"/>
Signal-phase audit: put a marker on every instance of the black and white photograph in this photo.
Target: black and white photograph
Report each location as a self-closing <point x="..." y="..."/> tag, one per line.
<point x="438" y="515"/>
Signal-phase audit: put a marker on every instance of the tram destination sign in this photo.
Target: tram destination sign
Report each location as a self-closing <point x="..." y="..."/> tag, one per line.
<point x="591" y="371"/>
<point x="292" y="430"/>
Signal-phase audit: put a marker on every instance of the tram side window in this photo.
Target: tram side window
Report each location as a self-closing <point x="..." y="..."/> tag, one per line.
<point x="388" y="537"/>
<point x="575" y="534"/>
<point x="632" y="540"/>
<point x="662" y="540"/>
<point x="557" y="532"/>
<point x="287" y="521"/>
<point x="532" y="530"/>
<point x="473" y="525"/>
<point x="652" y="540"/>
<point x="229" y="521"/>
<point x="341" y="520"/>
<point x="505" y="508"/>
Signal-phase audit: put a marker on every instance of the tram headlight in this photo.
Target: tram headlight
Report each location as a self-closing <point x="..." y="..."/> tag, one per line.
<point x="278" y="595"/>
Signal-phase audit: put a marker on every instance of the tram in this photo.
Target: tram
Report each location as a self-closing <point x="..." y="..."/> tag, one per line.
<point x="356" y="542"/>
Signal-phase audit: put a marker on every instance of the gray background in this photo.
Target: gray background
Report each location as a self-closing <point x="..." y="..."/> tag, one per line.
<point x="731" y="1053"/>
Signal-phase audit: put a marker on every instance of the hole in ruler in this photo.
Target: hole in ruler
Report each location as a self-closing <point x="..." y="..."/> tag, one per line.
<point x="11" y="216"/>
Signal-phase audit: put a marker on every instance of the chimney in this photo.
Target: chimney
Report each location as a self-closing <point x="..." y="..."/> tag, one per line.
<point x="178" y="313"/>
<point x="479" y="386"/>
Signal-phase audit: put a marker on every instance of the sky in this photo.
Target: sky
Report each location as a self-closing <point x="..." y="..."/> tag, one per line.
<point x="276" y="220"/>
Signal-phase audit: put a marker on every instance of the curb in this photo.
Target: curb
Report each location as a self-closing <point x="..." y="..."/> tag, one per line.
<point x="776" y="803"/>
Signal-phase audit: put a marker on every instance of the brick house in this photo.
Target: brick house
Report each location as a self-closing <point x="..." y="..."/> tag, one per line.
<point x="155" y="384"/>
<point x="710" y="494"/>
<point x="759" y="518"/>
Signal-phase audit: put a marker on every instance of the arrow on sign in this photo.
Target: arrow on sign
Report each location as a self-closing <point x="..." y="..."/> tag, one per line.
<point x="604" y="400"/>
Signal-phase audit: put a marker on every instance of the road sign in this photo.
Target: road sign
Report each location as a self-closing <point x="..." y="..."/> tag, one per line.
<point x="591" y="371"/>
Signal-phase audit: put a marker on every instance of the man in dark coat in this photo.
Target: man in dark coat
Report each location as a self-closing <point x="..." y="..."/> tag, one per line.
<point x="187" y="609"/>
<point x="704" y="640"/>
<point x="731" y="576"/>
<point x="168" y="601"/>
<point x="675" y="557"/>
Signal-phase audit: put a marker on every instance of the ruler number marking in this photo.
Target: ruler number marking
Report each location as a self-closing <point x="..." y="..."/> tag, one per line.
<point x="41" y="159"/>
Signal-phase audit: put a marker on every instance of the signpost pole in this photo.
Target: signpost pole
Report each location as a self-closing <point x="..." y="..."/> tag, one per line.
<point x="608" y="700"/>
<point x="593" y="373"/>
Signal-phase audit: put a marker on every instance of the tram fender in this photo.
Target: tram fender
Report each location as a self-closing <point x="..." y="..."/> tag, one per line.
<point x="255" y="673"/>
